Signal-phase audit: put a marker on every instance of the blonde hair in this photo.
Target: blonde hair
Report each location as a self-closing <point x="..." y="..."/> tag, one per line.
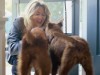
<point x="30" y="9"/>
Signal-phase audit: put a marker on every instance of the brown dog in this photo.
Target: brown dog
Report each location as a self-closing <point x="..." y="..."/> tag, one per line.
<point x="34" y="53"/>
<point x="66" y="51"/>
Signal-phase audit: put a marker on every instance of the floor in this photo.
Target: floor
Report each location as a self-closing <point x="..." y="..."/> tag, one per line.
<point x="8" y="70"/>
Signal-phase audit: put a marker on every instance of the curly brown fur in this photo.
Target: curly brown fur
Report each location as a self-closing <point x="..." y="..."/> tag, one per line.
<point x="67" y="51"/>
<point x="34" y="53"/>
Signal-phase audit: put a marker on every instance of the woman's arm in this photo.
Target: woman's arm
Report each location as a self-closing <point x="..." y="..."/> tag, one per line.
<point x="14" y="37"/>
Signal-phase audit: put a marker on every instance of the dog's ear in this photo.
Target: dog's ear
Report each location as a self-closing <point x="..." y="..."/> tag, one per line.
<point x="50" y="25"/>
<point x="60" y="23"/>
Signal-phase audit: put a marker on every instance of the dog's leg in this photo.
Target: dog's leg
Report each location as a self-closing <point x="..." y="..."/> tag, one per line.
<point x="36" y="72"/>
<point x="87" y="65"/>
<point x="24" y="66"/>
<point x="54" y="69"/>
<point x="46" y="66"/>
<point x="67" y="62"/>
<point x="55" y="62"/>
<point x="42" y="67"/>
<point x="65" y="67"/>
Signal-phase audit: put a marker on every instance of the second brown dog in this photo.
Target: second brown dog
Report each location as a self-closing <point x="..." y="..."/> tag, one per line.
<point x="34" y="53"/>
<point x="67" y="51"/>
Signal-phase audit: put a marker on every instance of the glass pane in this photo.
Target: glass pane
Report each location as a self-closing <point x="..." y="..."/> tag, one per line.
<point x="62" y="10"/>
<point x="56" y="10"/>
<point x="68" y="19"/>
<point x="22" y="7"/>
<point x="83" y="19"/>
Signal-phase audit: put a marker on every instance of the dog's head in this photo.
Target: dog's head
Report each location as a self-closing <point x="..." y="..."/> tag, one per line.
<point x="53" y="28"/>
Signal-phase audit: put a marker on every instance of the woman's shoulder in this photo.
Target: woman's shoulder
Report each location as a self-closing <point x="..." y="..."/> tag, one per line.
<point x="18" y="24"/>
<point x="19" y="19"/>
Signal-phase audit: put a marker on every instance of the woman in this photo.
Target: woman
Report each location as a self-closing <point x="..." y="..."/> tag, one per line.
<point x="36" y="14"/>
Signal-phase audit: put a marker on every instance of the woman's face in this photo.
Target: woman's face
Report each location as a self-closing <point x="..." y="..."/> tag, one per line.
<point x="39" y="16"/>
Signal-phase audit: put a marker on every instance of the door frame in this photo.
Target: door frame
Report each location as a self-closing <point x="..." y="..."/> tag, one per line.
<point x="93" y="32"/>
<point x="2" y="37"/>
